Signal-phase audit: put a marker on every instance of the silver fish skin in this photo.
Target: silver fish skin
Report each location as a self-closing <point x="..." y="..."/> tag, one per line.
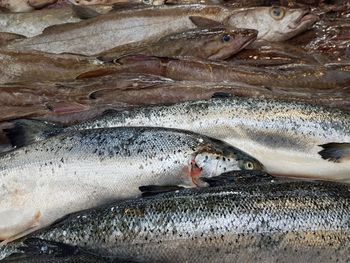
<point x="83" y="169"/>
<point x="142" y="24"/>
<point x="288" y="221"/>
<point x="33" y="23"/>
<point x="119" y="28"/>
<point x="286" y="137"/>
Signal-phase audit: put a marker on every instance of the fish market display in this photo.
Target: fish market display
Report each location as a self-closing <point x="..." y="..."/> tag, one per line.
<point x="82" y="169"/>
<point x="255" y="222"/>
<point x="317" y="77"/>
<point x="16" y="66"/>
<point x="128" y="26"/>
<point x="212" y="44"/>
<point x="174" y="131"/>
<point x="33" y="23"/>
<point x="291" y="139"/>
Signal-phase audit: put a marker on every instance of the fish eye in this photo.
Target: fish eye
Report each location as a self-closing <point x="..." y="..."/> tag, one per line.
<point x="248" y="165"/>
<point x="277" y="13"/>
<point x="226" y="38"/>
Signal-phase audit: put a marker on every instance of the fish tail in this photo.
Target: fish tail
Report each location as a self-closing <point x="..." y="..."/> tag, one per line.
<point x="25" y="131"/>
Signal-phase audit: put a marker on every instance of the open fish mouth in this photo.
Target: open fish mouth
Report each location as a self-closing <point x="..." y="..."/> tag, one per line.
<point x="248" y="42"/>
<point x="305" y="17"/>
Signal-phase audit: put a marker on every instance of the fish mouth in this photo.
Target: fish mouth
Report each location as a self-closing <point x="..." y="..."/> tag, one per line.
<point x="251" y="38"/>
<point x="305" y="18"/>
<point x="246" y="40"/>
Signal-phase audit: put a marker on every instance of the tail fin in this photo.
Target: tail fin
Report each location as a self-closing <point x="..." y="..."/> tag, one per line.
<point x="25" y="131"/>
<point x="39" y="250"/>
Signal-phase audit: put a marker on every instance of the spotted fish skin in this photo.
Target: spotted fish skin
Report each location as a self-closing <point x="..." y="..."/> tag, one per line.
<point x="284" y="136"/>
<point x="271" y="221"/>
<point x="82" y="169"/>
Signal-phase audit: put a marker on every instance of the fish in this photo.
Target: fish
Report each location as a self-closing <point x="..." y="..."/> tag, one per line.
<point x="81" y="38"/>
<point x="18" y="66"/>
<point x="289" y="138"/>
<point x="33" y="23"/>
<point x="267" y="221"/>
<point x="211" y="44"/>
<point x="82" y="169"/>
<point x="110" y="2"/>
<point x="15" y="5"/>
<point x="314" y="76"/>
<point x="98" y="29"/>
<point x="37" y="251"/>
<point x="73" y="101"/>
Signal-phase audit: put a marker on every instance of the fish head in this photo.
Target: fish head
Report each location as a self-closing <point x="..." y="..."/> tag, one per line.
<point x="274" y="23"/>
<point x="227" y="42"/>
<point x="225" y="158"/>
<point x="215" y="43"/>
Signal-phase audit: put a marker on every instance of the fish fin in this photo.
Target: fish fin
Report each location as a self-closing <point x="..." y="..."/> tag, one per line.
<point x="335" y="152"/>
<point x="41" y="250"/>
<point x="54" y="29"/>
<point x="21" y="225"/>
<point x="203" y="22"/>
<point x="25" y="131"/>
<point x="221" y="95"/>
<point x="96" y="73"/>
<point x="84" y="12"/>
<point x="151" y="190"/>
<point x="238" y="176"/>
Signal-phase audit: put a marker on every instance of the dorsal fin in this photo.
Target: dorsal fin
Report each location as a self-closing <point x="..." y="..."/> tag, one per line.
<point x="203" y="22"/>
<point x="84" y="12"/>
<point x="56" y="28"/>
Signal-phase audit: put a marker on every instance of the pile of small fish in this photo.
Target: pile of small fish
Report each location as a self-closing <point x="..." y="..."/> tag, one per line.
<point x="174" y="131"/>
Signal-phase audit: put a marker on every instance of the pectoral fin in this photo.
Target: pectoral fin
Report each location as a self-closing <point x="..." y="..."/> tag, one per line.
<point x="84" y="12"/>
<point x="335" y="152"/>
<point x="203" y="22"/>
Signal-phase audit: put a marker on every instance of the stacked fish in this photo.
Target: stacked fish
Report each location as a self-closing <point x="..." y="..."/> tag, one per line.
<point x="174" y="131"/>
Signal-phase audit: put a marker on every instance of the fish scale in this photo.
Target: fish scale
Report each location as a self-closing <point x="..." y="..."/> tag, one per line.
<point x="82" y="169"/>
<point x="285" y="137"/>
<point x="268" y="221"/>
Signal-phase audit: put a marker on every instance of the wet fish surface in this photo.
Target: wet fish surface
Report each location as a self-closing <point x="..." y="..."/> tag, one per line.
<point x="311" y="76"/>
<point x="82" y="169"/>
<point x="17" y="66"/>
<point x="285" y="221"/>
<point x="288" y="138"/>
<point x="212" y="44"/>
<point x="129" y="26"/>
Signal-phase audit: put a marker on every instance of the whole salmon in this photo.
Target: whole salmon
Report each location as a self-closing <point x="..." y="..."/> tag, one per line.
<point x="81" y="169"/>
<point x="255" y="222"/>
<point x="288" y="138"/>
